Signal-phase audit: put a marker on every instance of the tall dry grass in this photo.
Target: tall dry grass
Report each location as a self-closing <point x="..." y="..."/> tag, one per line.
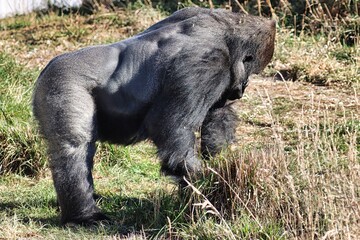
<point x="311" y="189"/>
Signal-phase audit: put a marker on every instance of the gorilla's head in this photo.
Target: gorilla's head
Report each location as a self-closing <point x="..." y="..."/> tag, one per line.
<point x="252" y="46"/>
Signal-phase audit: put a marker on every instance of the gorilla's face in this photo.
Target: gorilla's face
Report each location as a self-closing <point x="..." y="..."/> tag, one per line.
<point x="252" y="50"/>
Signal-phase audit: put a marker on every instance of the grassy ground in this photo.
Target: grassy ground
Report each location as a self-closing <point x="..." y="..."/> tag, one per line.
<point x="294" y="172"/>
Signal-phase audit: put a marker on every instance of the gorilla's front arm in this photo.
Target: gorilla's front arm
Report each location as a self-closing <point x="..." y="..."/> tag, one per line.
<point x="181" y="107"/>
<point x="160" y="85"/>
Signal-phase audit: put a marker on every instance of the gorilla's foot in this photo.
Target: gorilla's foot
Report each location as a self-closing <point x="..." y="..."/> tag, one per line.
<point x="85" y="219"/>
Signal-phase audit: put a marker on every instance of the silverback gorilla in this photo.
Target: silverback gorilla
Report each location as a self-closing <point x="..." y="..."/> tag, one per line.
<point x="164" y="84"/>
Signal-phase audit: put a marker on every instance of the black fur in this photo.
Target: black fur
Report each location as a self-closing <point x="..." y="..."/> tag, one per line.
<point x="162" y="84"/>
<point x="218" y="130"/>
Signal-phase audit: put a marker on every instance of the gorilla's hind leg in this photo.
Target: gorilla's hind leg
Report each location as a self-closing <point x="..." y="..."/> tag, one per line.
<point x="68" y="123"/>
<point x="71" y="169"/>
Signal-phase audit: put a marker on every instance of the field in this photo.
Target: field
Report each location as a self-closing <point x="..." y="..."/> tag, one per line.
<point x="294" y="172"/>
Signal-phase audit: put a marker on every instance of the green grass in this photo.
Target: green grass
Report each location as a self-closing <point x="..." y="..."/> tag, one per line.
<point x="21" y="150"/>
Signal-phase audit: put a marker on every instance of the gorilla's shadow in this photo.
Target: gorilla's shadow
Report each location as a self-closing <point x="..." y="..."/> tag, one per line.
<point x="12" y="208"/>
<point x="147" y="215"/>
<point x="128" y="215"/>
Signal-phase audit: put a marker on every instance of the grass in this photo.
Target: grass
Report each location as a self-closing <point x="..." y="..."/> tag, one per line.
<point x="293" y="173"/>
<point x="20" y="147"/>
<point x="304" y="58"/>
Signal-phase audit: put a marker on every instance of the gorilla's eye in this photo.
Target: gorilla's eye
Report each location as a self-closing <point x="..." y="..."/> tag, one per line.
<point x="248" y="58"/>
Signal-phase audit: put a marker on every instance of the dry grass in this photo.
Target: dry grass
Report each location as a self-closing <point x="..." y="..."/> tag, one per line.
<point x="310" y="189"/>
<point x="318" y="59"/>
<point x="34" y="40"/>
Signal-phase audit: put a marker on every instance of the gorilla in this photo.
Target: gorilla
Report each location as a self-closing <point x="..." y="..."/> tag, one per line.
<point x="176" y="78"/>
